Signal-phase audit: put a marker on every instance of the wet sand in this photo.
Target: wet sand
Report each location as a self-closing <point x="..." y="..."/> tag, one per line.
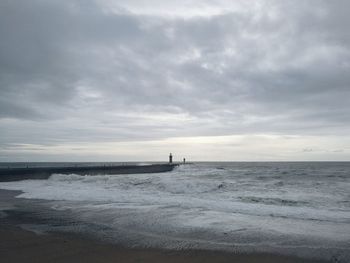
<point x="20" y="245"/>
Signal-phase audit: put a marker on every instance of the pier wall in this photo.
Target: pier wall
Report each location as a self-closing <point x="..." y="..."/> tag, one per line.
<point x="15" y="174"/>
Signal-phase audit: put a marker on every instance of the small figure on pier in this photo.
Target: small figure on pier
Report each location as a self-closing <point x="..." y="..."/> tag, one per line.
<point x="170" y="158"/>
<point x="184" y="160"/>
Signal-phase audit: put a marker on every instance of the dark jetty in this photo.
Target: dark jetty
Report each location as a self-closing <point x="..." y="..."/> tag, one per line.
<point x="15" y="174"/>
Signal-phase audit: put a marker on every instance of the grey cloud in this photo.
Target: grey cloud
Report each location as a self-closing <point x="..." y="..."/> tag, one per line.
<point x="69" y="70"/>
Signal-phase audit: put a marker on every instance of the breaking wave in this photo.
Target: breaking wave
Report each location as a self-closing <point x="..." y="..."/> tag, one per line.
<point x="311" y="210"/>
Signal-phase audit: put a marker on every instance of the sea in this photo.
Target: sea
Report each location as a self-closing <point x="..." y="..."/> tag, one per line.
<point x="291" y="208"/>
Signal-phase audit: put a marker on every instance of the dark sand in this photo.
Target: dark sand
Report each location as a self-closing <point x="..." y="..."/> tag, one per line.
<point x="19" y="245"/>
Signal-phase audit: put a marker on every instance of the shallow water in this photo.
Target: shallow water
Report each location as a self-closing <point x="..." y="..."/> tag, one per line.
<point x="292" y="208"/>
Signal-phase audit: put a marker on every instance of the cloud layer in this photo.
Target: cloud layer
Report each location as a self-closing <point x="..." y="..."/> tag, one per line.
<point x="95" y="72"/>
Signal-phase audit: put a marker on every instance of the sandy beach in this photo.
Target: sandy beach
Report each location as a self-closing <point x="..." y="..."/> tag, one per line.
<point x="21" y="245"/>
<point x="18" y="245"/>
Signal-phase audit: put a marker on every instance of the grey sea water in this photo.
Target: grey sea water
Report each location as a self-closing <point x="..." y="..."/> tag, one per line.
<point x="289" y="208"/>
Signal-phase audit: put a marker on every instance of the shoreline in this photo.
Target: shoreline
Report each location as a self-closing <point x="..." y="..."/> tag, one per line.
<point x="18" y="244"/>
<point x="21" y="245"/>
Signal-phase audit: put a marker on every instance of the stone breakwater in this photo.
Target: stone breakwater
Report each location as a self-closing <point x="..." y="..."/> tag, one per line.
<point x="15" y="174"/>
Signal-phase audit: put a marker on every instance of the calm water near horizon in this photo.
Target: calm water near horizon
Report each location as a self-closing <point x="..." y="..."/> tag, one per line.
<point x="300" y="208"/>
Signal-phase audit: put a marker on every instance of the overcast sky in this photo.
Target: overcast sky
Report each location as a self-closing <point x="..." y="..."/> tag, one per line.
<point x="109" y="80"/>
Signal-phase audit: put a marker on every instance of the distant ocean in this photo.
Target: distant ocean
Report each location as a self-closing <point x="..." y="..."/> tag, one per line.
<point x="284" y="207"/>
